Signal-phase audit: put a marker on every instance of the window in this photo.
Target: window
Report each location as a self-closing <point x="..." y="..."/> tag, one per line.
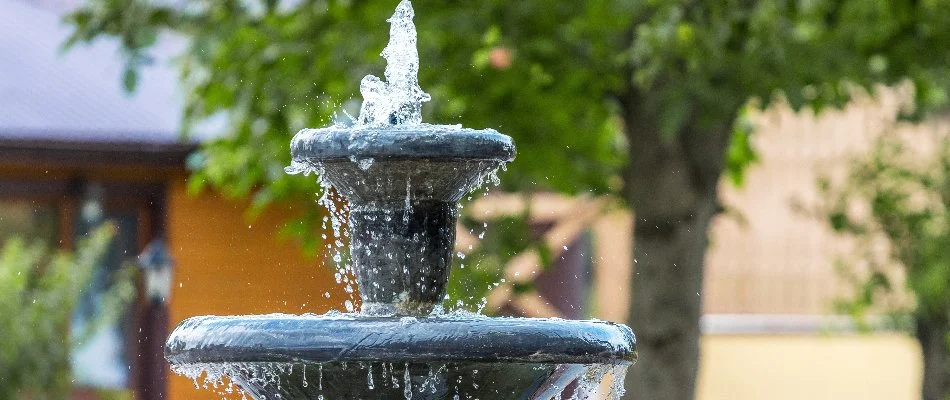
<point x="122" y="355"/>
<point x="103" y="360"/>
<point x="31" y="220"/>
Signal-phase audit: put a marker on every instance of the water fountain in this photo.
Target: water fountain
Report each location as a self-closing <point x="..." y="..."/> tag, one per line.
<point x="403" y="180"/>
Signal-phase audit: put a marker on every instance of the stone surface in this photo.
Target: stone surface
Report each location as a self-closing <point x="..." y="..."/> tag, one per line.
<point x="375" y="357"/>
<point x="403" y="184"/>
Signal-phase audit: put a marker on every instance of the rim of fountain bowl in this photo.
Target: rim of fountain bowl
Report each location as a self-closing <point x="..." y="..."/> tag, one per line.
<point x="322" y="339"/>
<point x="402" y="142"/>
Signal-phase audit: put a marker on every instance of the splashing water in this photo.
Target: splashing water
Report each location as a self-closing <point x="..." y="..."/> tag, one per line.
<point x="398" y="100"/>
<point x="395" y="101"/>
<point x="579" y="381"/>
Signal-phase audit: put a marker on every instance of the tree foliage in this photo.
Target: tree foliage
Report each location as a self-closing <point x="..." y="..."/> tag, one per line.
<point x="895" y="205"/>
<point x="38" y="293"/>
<point x="275" y="67"/>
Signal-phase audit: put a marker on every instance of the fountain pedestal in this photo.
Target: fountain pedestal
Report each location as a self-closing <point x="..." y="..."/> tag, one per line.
<point x="382" y="254"/>
<point x="403" y="185"/>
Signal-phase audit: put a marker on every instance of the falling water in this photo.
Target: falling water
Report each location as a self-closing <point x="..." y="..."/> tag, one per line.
<point x="584" y="382"/>
<point x="390" y="104"/>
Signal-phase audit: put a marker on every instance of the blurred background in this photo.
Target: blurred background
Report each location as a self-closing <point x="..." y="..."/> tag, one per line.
<point x="759" y="189"/>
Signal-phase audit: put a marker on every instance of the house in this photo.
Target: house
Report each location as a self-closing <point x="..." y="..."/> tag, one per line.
<point x="73" y="143"/>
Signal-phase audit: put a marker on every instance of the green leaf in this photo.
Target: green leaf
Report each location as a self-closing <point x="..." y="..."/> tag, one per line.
<point x="130" y="79"/>
<point x="740" y="154"/>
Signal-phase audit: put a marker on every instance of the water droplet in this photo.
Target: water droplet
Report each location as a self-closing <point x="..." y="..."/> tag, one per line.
<point x="407" y="384"/>
<point x="369" y="377"/>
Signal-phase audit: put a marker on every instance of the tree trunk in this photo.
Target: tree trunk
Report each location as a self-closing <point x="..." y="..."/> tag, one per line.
<point x="933" y="339"/>
<point x="671" y="185"/>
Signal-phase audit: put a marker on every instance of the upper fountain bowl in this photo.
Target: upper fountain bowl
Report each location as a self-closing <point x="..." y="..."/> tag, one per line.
<point x="403" y="141"/>
<point x="389" y="163"/>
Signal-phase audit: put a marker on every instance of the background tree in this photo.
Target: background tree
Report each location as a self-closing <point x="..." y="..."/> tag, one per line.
<point x="895" y="205"/>
<point x="635" y="98"/>
<point x="38" y="294"/>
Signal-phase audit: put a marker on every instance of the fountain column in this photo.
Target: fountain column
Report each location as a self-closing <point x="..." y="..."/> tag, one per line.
<point x="403" y="184"/>
<point x="402" y="254"/>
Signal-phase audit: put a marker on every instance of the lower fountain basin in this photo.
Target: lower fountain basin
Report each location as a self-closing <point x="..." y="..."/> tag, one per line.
<point x="348" y="357"/>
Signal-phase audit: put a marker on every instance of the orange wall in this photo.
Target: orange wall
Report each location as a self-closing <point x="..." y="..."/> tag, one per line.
<point x="228" y="264"/>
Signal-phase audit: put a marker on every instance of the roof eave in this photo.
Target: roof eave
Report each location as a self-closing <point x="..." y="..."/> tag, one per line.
<point x="93" y="153"/>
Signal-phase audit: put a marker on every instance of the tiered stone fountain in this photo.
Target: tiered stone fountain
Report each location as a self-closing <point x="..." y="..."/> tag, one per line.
<point x="403" y="180"/>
